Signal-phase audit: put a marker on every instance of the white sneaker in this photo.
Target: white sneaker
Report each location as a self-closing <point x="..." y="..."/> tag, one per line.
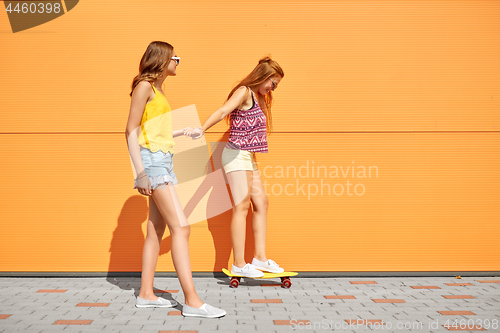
<point x="268" y="266"/>
<point x="159" y="303"/>
<point x="206" y="311"/>
<point x="248" y="270"/>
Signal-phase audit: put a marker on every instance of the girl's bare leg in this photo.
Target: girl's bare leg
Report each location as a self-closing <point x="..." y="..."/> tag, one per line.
<point x="155" y="230"/>
<point x="166" y="201"/>
<point x="259" y="221"/>
<point x="240" y="183"/>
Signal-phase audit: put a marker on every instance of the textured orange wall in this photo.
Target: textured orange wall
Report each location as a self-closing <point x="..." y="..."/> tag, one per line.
<point x="409" y="88"/>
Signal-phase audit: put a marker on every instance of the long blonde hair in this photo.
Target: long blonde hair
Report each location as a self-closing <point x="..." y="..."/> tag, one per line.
<point x="153" y="62"/>
<point x="265" y="69"/>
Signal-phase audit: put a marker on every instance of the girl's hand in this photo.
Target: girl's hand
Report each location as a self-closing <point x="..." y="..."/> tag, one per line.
<point x="197" y="133"/>
<point x="143" y="184"/>
<point x="187" y="131"/>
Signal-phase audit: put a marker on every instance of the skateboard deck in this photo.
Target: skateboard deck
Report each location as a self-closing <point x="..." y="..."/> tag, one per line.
<point x="285" y="278"/>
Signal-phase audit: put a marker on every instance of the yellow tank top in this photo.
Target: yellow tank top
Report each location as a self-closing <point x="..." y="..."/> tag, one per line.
<point x="156" y="125"/>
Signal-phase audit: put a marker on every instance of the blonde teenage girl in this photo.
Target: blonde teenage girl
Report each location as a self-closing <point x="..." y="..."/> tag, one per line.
<point x="248" y="109"/>
<point x="151" y="147"/>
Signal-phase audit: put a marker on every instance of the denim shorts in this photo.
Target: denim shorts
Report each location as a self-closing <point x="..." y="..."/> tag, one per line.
<point x="159" y="167"/>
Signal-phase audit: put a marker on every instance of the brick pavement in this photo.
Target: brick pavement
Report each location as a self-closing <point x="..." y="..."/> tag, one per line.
<point x="397" y="304"/>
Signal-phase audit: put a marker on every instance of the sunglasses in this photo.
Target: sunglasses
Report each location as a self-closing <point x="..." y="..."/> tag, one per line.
<point x="177" y="60"/>
<point x="274" y="84"/>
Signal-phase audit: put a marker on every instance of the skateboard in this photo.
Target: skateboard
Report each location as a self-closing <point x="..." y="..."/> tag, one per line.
<point x="285" y="278"/>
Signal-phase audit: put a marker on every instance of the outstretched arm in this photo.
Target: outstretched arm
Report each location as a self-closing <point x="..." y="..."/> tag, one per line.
<point x="180" y="132"/>
<point x="234" y="102"/>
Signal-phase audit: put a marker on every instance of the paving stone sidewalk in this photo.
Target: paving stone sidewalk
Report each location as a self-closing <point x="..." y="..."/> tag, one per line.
<point x="399" y="304"/>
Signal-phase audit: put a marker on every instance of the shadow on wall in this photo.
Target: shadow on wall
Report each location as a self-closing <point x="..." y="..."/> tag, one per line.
<point x="125" y="262"/>
<point x="220" y="225"/>
<point x="128" y="239"/>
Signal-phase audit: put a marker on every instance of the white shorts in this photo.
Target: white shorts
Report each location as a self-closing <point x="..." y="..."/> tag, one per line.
<point x="236" y="160"/>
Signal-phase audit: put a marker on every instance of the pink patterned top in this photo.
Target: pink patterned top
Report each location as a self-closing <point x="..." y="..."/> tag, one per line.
<point x="248" y="129"/>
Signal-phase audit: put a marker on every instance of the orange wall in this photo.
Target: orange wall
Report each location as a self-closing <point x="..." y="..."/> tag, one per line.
<point x="410" y="88"/>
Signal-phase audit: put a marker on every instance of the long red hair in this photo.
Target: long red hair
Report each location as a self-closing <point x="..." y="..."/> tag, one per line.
<point x="265" y="69"/>
<point x="153" y="62"/>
